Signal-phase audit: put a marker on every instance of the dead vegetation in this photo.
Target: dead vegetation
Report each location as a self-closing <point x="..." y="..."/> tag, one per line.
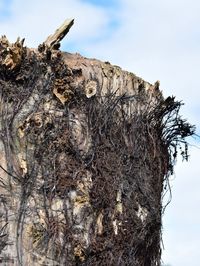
<point x="86" y="169"/>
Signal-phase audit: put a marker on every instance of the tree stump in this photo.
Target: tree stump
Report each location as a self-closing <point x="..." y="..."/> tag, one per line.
<point x="86" y="150"/>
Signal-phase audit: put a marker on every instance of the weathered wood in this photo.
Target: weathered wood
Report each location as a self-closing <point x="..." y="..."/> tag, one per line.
<point x="87" y="149"/>
<point x="53" y="41"/>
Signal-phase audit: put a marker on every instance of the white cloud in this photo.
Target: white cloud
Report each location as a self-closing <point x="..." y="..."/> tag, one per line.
<point x="158" y="40"/>
<point x="183" y="253"/>
<point x="35" y="20"/>
<point x="181" y="220"/>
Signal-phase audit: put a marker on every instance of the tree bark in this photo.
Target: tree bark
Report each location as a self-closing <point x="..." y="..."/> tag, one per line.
<point x="86" y="149"/>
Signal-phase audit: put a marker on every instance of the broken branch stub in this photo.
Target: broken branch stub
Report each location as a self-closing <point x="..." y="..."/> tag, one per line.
<point x="11" y="54"/>
<point x="53" y="41"/>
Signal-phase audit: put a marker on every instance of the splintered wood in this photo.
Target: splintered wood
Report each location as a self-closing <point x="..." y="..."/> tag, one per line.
<point x="85" y="151"/>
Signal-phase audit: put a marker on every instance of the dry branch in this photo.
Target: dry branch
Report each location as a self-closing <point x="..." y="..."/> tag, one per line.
<point x="53" y="41"/>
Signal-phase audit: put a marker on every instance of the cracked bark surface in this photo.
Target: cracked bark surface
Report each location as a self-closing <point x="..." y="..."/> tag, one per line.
<point x="86" y="150"/>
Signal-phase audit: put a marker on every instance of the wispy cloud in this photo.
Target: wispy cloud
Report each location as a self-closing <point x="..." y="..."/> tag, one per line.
<point x="35" y="20"/>
<point x="103" y="3"/>
<point x="182" y="218"/>
<point x="158" y="40"/>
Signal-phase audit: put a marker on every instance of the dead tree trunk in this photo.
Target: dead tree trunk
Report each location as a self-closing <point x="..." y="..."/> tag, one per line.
<point x="86" y="149"/>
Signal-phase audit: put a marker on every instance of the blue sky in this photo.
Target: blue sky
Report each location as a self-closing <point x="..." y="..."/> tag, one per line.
<point x="5" y="9"/>
<point x="157" y="40"/>
<point x="103" y="3"/>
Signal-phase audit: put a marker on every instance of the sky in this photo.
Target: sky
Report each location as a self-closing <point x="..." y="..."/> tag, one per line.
<point x="156" y="40"/>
